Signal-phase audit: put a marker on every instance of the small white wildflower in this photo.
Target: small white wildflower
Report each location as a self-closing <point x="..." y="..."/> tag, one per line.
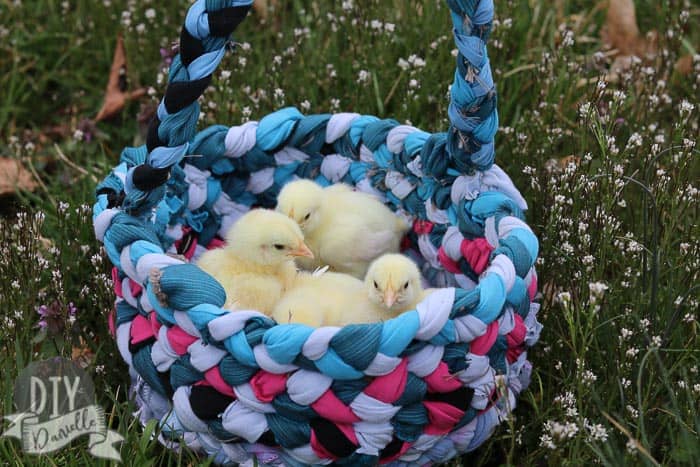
<point x="416" y="61"/>
<point x="584" y="109"/>
<point x="403" y="64"/>
<point x="568" y="39"/>
<point x="619" y="95"/>
<point x="150" y="14"/>
<point x="596" y="432"/>
<point x="547" y="442"/>
<point x="562" y="431"/>
<point x="363" y="76"/>
<point x="566" y="400"/>
<point x="635" y="140"/>
<point x="632" y="446"/>
<point x="305" y="105"/>
<point x="589" y="377"/>
<point x="686" y="108"/>
<point x="597" y="290"/>
<point x="564" y="298"/>
<point x="126" y="18"/>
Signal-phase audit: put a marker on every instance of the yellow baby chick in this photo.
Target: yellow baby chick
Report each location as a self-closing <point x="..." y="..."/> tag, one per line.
<point x="257" y="264"/>
<point x="328" y="299"/>
<point x="345" y="229"/>
<point x="393" y="285"/>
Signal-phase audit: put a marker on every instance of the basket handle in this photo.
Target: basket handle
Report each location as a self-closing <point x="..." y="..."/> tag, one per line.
<point x="472" y="109"/>
<point x="205" y="33"/>
<point x="208" y="25"/>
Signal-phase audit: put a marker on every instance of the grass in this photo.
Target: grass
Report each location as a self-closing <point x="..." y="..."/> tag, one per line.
<point x="610" y="173"/>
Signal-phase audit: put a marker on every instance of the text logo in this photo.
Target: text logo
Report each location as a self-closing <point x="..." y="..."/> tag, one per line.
<point x="56" y="404"/>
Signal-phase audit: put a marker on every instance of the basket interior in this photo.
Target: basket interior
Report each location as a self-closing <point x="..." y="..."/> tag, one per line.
<point x="213" y="187"/>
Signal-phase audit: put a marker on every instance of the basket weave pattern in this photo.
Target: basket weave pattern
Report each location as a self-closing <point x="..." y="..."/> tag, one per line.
<point x="423" y="387"/>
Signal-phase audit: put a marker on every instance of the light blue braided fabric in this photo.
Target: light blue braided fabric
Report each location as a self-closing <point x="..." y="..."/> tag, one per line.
<point x="428" y="385"/>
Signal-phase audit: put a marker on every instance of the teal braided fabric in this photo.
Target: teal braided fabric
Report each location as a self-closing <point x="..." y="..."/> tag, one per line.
<point x="421" y="388"/>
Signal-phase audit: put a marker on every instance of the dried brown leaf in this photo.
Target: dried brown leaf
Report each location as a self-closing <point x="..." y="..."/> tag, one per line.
<point x="684" y="65"/>
<point x="622" y="34"/>
<point x="261" y="7"/>
<point x="13" y="177"/>
<point x="116" y="96"/>
<point x="558" y="165"/>
<point x="82" y="354"/>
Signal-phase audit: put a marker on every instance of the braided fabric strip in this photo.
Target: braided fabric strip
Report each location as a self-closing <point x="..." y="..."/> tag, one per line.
<point x="206" y="31"/>
<point x="420" y="388"/>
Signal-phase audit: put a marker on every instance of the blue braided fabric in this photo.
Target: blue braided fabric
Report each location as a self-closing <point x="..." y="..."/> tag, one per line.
<point x="421" y="388"/>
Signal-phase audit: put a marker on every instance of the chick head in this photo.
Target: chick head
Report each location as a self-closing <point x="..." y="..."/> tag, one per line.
<point x="300" y="200"/>
<point x="266" y="237"/>
<point x="393" y="282"/>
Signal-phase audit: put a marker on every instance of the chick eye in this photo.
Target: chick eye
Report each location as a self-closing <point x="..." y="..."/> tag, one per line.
<point x="405" y="286"/>
<point x="278" y="246"/>
<point x="376" y="286"/>
<point x="306" y="217"/>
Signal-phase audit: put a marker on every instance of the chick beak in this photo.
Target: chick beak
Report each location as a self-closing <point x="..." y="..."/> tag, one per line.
<point x="302" y="250"/>
<point x="390" y="297"/>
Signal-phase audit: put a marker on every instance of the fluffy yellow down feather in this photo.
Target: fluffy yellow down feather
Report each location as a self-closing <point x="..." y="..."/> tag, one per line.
<point x="257" y="264"/>
<point x="393" y="285"/>
<point x="327" y="299"/>
<point x="345" y="229"/>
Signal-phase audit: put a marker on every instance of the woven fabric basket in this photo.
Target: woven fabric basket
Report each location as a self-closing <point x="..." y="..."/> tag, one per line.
<point x="421" y="388"/>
